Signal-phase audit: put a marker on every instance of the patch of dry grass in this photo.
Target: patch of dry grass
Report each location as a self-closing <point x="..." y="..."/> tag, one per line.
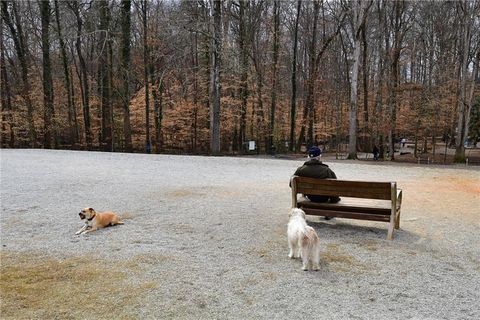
<point x="259" y="252"/>
<point x="12" y="222"/>
<point x="182" y="228"/>
<point x="445" y="196"/>
<point x="369" y="245"/>
<point x="81" y="287"/>
<point x="464" y="185"/>
<point x="184" y="193"/>
<point x="340" y="261"/>
<point x="140" y="261"/>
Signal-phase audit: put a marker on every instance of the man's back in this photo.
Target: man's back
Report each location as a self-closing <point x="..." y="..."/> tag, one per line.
<point x="314" y="168"/>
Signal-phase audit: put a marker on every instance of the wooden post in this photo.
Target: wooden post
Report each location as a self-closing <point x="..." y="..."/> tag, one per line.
<point x="293" y="185"/>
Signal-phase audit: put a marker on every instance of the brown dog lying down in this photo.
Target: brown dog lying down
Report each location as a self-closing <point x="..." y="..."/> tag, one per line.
<point x="97" y="220"/>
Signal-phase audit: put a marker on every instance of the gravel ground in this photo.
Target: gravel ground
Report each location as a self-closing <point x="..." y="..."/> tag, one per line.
<point x="205" y="238"/>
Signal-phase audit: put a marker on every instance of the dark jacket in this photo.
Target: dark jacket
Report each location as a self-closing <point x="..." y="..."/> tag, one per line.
<point x="314" y="168"/>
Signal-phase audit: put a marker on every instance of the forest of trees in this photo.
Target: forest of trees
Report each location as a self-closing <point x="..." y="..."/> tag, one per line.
<point x="208" y="76"/>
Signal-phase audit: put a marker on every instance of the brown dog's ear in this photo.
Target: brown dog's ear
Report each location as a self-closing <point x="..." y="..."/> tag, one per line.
<point x="91" y="209"/>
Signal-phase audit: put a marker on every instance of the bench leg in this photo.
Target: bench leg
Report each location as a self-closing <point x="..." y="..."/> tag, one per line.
<point x="397" y="220"/>
<point x="390" y="231"/>
<point x="397" y="217"/>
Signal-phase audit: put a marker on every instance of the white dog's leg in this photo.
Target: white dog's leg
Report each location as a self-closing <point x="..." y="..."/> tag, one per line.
<point x="299" y="251"/>
<point x="82" y="229"/>
<point x="292" y="245"/>
<point x="305" y="264"/>
<point x="305" y="258"/>
<point x="316" y="260"/>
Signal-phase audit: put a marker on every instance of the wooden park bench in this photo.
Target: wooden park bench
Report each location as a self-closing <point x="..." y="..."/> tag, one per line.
<point x="377" y="201"/>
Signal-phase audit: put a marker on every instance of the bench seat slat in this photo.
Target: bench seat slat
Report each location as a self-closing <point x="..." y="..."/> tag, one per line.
<point x="356" y="189"/>
<point x="351" y="205"/>
<point x="348" y="215"/>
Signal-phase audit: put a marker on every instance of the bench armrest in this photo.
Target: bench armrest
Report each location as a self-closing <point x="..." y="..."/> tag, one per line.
<point x="399" y="198"/>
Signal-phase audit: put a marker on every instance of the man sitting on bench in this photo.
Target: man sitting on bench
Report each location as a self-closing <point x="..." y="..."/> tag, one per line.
<point x="314" y="168"/>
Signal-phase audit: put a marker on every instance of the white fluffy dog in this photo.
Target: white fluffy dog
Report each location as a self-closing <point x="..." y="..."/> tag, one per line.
<point x="303" y="241"/>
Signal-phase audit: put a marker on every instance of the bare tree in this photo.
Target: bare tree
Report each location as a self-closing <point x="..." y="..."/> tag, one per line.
<point x="71" y="110"/>
<point x="16" y="31"/>
<point x="293" y="103"/>
<point x="315" y="57"/>
<point x="215" y="86"/>
<point x="310" y="82"/>
<point x="48" y="114"/>
<point x="146" y="66"/>
<point x="399" y="25"/>
<point x="470" y="100"/>
<point x="125" y="64"/>
<point x="379" y="76"/>
<point x="83" y="74"/>
<point x="360" y="12"/>
<point x="6" y="96"/>
<point x="104" y="77"/>
<point x="467" y="9"/>
<point x="273" y="105"/>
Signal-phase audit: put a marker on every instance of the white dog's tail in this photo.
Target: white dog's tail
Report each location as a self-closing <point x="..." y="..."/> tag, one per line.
<point x="310" y="249"/>
<point x="309" y="238"/>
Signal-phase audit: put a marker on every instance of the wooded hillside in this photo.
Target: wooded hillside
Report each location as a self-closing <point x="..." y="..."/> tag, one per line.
<point x="208" y="76"/>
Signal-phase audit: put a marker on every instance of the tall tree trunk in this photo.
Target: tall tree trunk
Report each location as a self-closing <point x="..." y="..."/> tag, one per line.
<point x="260" y="114"/>
<point x="475" y="71"/>
<point x="157" y="94"/>
<point x="360" y="11"/>
<point x="352" y="131"/>
<point x="74" y="108"/>
<point x="273" y="106"/>
<point x="215" y="85"/>
<point x="125" y="62"/>
<point x="157" y="84"/>
<point x="71" y="121"/>
<point x="21" y="50"/>
<point x="365" y="79"/>
<point x="463" y="76"/>
<point x="111" y="87"/>
<point x="314" y="65"/>
<point x="293" y="104"/>
<point x="195" y="91"/>
<point x="7" y="112"/>
<point x="104" y="79"/>
<point x="399" y="30"/>
<point x="146" y="55"/>
<point x="244" y="73"/>
<point x="83" y="75"/>
<point x="312" y="75"/>
<point x="378" y="113"/>
<point x="393" y="104"/>
<point x="48" y="114"/>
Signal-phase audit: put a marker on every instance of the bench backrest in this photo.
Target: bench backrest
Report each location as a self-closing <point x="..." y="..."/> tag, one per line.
<point x="346" y="188"/>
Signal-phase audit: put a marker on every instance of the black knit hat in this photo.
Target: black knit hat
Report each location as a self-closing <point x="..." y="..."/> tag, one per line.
<point x="314" y="152"/>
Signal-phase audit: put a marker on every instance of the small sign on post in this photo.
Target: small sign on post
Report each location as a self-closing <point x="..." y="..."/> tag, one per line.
<point x="251" y="145"/>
